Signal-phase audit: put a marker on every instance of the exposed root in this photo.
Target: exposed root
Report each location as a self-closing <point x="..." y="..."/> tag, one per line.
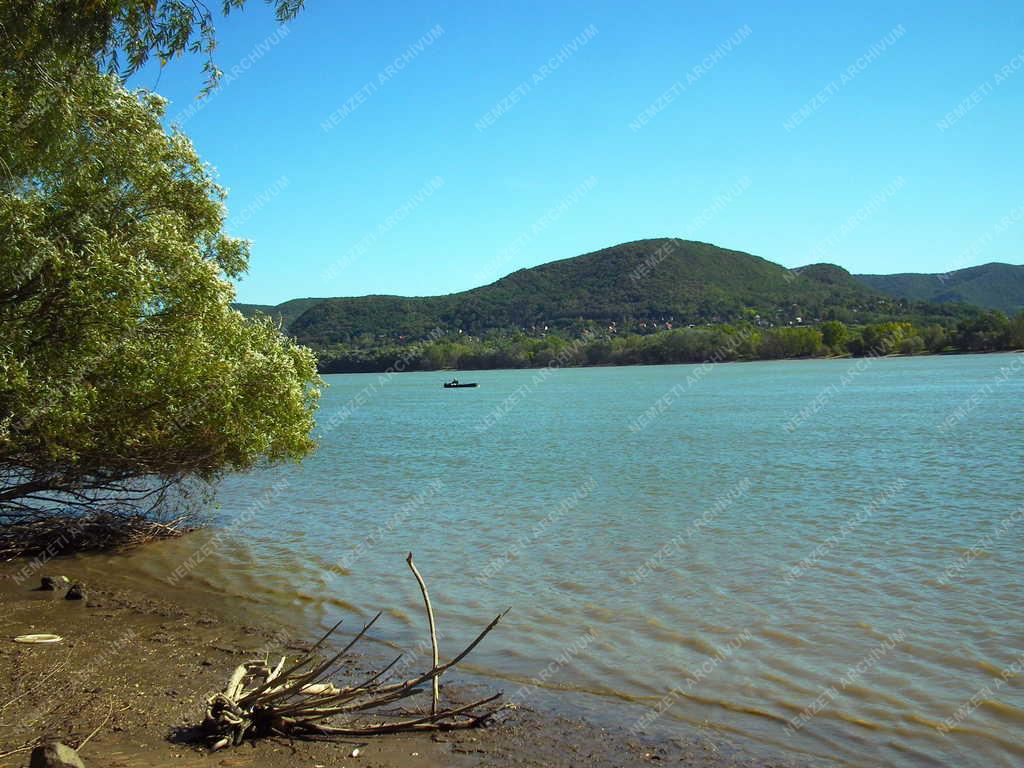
<point x="64" y="534"/>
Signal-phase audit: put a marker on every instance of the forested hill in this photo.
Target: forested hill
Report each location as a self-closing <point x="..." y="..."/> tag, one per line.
<point x="993" y="286"/>
<point x="285" y="312"/>
<point x="633" y="285"/>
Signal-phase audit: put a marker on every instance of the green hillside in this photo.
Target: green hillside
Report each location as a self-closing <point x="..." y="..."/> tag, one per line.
<point x="633" y="284"/>
<point x="649" y="301"/>
<point x="285" y="312"/>
<point x="993" y="286"/>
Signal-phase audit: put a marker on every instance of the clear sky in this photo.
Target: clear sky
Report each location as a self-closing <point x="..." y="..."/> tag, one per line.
<point x="512" y="134"/>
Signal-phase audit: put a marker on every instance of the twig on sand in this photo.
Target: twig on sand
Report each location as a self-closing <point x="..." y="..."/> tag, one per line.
<point x="56" y="668"/>
<point x="31" y="745"/>
<point x="262" y="700"/>
<point x="97" y="728"/>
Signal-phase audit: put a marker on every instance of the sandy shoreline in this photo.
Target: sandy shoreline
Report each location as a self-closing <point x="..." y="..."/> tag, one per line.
<point x="138" y="666"/>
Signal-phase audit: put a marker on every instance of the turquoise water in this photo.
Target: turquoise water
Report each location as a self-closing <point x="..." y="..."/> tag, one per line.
<point x="821" y="556"/>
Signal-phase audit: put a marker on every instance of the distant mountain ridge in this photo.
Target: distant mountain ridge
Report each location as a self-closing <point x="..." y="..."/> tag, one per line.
<point x="659" y="282"/>
<point x="993" y="286"/>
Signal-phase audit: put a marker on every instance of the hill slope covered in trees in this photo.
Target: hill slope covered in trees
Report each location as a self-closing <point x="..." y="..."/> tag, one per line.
<point x="648" y="301"/>
<point x="647" y="281"/>
<point x="993" y="286"/>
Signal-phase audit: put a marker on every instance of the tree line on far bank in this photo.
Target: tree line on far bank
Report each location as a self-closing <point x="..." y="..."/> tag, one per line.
<point x="983" y="332"/>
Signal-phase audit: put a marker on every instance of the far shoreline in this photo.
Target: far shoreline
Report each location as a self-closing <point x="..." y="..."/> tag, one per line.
<point x="805" y="359"/>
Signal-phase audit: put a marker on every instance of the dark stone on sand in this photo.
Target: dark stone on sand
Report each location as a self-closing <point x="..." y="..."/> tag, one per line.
<point x="77" y="592"/>
<point x="53" y="583"/>
<point x="55" y="755"/>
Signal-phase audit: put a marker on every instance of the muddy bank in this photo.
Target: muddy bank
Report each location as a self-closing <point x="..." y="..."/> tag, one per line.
<point x="138" y="667"/>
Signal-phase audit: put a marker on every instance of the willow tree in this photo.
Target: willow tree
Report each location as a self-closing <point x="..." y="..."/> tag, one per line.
<point x="124" y="372"/>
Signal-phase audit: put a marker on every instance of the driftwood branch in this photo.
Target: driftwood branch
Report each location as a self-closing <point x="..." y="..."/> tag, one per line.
<point x="433" y="631"/>
<point x="262" y="700"/>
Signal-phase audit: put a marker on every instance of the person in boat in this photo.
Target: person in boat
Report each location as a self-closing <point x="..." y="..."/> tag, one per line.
<point x="455" y="381"/>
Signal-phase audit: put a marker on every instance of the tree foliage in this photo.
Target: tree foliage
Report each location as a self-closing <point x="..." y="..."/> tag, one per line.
<point x="117" y="36"/>
<point x="124" y="370"/>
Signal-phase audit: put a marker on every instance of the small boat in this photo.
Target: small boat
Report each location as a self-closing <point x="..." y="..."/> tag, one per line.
<point x="454" y="384"/>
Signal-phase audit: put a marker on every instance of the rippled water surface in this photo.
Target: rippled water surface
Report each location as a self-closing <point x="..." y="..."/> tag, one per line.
<point x="855" y="575"/>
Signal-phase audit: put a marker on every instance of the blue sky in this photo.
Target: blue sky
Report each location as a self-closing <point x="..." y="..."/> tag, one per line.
<point x="513" y="134"/>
